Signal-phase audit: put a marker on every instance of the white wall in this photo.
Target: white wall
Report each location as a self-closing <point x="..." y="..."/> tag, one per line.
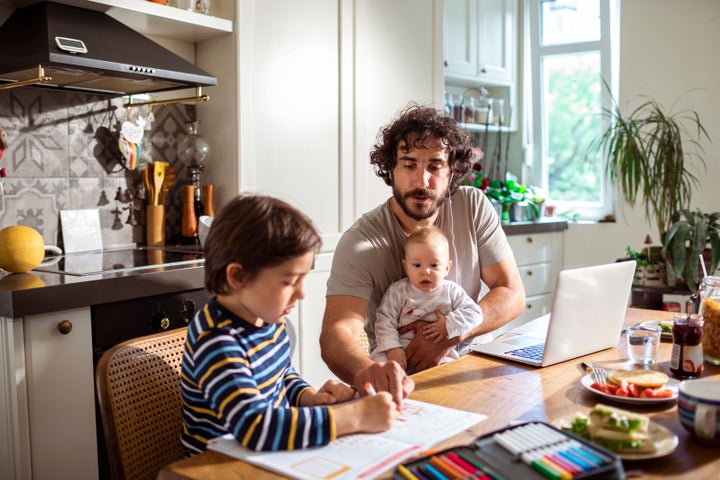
<point x="667" y="48"/>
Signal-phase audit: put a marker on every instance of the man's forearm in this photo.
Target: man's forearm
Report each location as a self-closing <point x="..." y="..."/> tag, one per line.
<point x="344" y="356"/>
<point x="499" y="306"/>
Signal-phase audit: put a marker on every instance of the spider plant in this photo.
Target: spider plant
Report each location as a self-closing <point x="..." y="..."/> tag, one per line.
<point x="686" y="240"/>
<point x="646" y="158"/>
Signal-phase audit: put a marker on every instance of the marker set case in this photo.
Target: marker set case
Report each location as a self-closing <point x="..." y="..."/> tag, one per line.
<point x="532" y="450"/>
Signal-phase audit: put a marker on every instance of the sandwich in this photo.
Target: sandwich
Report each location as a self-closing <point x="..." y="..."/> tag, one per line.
<point x="617" y="430"/>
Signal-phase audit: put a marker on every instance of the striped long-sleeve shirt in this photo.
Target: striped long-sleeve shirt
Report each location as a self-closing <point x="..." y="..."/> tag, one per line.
<point x="238" y="378"/>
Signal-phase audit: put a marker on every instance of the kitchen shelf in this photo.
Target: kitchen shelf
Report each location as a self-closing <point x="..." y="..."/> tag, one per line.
<point x="151" y="18"/>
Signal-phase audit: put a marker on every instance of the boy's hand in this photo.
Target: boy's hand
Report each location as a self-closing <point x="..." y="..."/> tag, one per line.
<point x="333" y="391"/>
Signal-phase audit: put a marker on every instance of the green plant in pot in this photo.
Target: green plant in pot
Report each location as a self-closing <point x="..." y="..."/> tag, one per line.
<point x="690" y="236"/>
<point x="646" y="157"/>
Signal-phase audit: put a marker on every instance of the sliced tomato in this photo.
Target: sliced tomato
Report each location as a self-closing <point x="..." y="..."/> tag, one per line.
<point x="598" y="386"/>
<point x="611" y="389"/>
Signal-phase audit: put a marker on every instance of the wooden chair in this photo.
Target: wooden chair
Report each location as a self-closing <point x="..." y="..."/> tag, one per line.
<point x="138" y="390"/>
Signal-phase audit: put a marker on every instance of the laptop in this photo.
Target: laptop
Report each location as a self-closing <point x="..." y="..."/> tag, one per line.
<point x="587" y="315"/>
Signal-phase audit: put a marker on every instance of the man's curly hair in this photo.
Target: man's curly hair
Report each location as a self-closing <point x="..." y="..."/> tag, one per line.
<point x="420" y="123"/>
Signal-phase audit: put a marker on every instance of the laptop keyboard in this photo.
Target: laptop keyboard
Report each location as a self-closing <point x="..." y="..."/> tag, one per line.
<point x="532" y="352"/>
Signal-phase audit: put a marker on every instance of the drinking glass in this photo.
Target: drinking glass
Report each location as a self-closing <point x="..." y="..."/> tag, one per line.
<point x="643" y="343"/>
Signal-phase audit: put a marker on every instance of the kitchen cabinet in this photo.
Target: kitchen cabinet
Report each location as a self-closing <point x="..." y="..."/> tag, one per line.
<point x="480" y="41"/>
<point x="539" y="257"/>
<point x="49" y="400"/>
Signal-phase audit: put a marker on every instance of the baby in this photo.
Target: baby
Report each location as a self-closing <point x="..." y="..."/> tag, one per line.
<point x="426" y="295"/>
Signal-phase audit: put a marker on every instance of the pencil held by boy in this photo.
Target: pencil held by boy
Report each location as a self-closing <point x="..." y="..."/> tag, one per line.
<point x="237" y="375"/>
<point x="425" y="295"/>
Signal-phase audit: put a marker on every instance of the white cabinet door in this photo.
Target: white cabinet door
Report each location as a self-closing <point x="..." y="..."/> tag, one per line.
<point x="480" y="40"/>
<point x="460" y="37"/>
<point x="497" y="40"/>
<point x="61" y="396"/>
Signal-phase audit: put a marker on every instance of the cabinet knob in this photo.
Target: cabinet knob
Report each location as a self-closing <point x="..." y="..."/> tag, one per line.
<point x="484" y="70"/>
<point x="529" y="273"/>
<point x="528" y="306"/>
<point x="64" y="327"/>
<point x="529" y="239"/>
<point x="445" y="62"/>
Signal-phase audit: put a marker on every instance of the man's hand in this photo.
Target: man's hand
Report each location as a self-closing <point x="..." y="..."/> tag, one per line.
<point x="386" y="377"/>
<point x="422" y="353"/>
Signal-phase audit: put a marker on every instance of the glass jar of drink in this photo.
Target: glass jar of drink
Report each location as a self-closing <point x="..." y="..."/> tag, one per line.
<point x="687" y="351"/>
<point x="710" y="310"/>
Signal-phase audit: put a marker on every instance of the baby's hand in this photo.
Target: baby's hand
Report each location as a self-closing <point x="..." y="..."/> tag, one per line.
<point x="397" y="355"/>
<point x="435" y="332"/>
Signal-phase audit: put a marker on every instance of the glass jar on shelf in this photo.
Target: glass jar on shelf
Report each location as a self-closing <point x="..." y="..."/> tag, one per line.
<point x="469" y="110"/>
<point x="710" y="310"/>
<point x="482" y="111"/>
<point x="456" y="107"/>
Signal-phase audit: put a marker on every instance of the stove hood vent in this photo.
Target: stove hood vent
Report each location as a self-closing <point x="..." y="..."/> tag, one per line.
<point x="88" y="51"/>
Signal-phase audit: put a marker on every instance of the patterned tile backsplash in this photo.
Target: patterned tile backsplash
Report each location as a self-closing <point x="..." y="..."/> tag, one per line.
<point x="62" y="154"/>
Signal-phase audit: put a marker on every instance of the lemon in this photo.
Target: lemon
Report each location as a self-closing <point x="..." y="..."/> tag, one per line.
<point x="21" y="248"/>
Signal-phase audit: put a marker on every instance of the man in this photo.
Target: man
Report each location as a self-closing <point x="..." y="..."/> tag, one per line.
<point x="423" y="156"/>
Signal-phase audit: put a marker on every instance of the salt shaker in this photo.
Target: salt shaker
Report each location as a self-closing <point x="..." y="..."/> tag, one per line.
<point x="687" y="350"/>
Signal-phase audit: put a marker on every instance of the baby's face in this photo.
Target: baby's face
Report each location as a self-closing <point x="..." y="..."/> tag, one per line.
<point x="426" y="265"/>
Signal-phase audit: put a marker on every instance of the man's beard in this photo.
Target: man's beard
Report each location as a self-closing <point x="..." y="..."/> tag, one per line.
<point x="402" y="200"/>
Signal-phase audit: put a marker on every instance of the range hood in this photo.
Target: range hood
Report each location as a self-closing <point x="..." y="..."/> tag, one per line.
<point x="89" y="51"/>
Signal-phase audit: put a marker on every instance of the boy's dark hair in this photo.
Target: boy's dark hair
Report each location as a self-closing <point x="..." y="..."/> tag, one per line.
<point x="420" y="123"/>
<point x="257" y="232"/>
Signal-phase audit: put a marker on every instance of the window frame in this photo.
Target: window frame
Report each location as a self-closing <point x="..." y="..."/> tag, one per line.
<point x="607" y="46"/>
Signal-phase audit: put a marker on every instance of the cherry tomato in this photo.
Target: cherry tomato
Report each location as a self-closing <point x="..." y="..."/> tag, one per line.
<point x="632" y="390"/>
<point x="648" y="393"/>
<point x="664" y="393"/>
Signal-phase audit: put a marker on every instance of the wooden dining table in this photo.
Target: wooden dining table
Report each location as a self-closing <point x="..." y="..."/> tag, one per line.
<point x="510" y="392"/>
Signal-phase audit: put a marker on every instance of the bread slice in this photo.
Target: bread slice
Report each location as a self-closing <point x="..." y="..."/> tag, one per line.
<point x="641" y="378"/>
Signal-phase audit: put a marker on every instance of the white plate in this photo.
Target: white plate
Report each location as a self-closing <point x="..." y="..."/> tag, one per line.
<point x="671" y="385"/>
<point x="656" y="323"/>
<point x="665" y="440"/>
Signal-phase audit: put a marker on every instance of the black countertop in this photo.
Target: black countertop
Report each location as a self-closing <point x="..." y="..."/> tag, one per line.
<point x="39" y="292"/>
<point x="540" y="226"/>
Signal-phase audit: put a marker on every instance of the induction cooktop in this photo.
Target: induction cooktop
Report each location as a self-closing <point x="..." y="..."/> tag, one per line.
<point x="121" y="260"/>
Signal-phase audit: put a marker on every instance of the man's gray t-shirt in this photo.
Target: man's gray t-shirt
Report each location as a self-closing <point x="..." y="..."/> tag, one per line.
<point x="368" y="257"/>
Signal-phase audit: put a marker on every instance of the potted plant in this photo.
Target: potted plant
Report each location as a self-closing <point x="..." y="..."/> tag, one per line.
<point x="690" y="236"/>
<point x="647" y="159"/>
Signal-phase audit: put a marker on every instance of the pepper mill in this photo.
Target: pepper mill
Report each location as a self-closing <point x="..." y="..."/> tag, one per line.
<point x="189" y="220"/>
<point x="207" y="193"/>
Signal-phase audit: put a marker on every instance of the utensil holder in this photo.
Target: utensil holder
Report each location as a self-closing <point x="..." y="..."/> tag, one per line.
<point x="155" y="229"/>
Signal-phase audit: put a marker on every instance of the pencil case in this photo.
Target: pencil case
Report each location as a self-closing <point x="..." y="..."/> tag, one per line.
<point x="532" y="450"/>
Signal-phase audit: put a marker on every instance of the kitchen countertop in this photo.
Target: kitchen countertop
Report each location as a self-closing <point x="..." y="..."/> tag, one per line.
<point x="35" y="292"/>
<point x="546" y="224"/>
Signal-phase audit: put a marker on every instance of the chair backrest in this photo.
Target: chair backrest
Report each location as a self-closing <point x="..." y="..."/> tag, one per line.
<point x="138" y="390"/>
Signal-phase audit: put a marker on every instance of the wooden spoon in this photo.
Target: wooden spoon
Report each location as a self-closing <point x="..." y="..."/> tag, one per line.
<point x="167" y="183"/>
<point x="158" y="178"/>
<point x="146" y="175"/>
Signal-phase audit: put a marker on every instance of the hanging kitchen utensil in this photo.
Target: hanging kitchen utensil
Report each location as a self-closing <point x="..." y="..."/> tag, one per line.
<point x="130" y="142"/>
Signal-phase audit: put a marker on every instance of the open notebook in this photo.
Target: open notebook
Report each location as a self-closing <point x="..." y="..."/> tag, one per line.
<point x="587" y="315"/>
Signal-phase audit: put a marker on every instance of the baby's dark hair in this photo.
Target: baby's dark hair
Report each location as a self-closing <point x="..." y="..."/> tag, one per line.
<point x="257" y="232"/>
<point x="418" y="123"/>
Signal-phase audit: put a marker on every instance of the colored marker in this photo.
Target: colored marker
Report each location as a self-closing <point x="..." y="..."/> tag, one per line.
<point x="434" y="473"/>
<point x="369" y="389"/>
<point x="406" y="474"/>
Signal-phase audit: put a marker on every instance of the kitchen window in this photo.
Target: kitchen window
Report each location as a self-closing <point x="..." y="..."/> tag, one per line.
<point x="570" y="54"/>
